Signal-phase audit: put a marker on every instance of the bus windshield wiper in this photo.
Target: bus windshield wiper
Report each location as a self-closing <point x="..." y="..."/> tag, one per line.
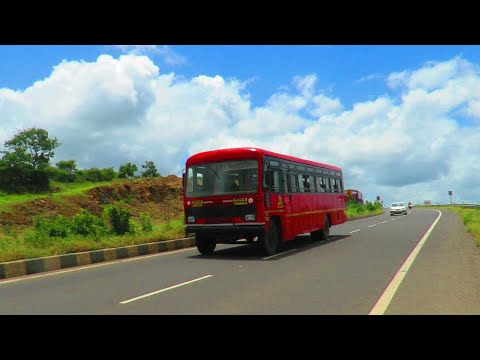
<point x="211" y="168"/>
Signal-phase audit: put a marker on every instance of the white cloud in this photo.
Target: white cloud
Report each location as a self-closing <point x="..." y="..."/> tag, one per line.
<point x="163" y="51"/>
<point x="433" y="74"/>
<point x="370" y="77"/>
<point x="409" y="147"/>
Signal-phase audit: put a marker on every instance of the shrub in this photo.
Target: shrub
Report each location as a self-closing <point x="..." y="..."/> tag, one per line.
<point x="119" y="219"/>
<point x="146" y="222"/>
<point x="86" y="224"/>
<point x="56" y="226"/>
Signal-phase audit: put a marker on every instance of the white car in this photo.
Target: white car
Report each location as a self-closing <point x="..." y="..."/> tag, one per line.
<point x="398" y="208"/>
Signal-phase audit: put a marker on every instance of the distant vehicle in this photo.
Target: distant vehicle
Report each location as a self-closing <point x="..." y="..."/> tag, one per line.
<point x="410" y="205"/>
<point x="353" y="195"/>
<point x="276" y="198"/>
<point x="398" y="208"/>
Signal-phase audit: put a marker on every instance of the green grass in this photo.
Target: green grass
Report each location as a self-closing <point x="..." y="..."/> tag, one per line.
<point x="14" y="247"/>
<point x="354" y="210"/>
<point x="61" y="189"/>
<point x="66" y="189"/>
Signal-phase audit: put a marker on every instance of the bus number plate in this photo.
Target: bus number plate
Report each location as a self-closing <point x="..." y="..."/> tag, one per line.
<point x="240" y="201"/>
<point x="197" y="203"/>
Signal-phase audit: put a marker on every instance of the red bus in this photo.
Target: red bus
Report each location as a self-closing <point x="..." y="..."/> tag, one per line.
<point x="354" y="195"/>
<point x="251" y="193"/>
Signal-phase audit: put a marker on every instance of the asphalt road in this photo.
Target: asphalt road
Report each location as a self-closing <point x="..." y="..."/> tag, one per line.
<point x="345" y="275"/>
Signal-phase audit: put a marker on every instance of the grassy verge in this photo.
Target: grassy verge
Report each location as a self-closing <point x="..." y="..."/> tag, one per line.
<point x="58" y="190"/>
<point x="470" y="218"/>
<point x="57" y="237"/>
<point x="354" y="210"/>
<point x="13" y="245"/>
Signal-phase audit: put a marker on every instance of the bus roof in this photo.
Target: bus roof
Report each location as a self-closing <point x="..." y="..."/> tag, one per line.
<point x="243" y="152"/>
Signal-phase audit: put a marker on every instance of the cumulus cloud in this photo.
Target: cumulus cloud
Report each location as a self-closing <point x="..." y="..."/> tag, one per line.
<point x="409" y="145"/>
<point x="163" y="51"/>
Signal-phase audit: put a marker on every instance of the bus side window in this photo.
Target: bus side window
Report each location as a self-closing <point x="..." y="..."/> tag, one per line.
<point x="326" y="182"/>
<point x="311" y="181"/>
<point x="306" y="183"/>
<point x="300" y="183"/>
<point x="285" y="183"/>
<point x="320" y="187"/>
<point x="332" y="185"/>
<point x="276" y="187"/>
<point x="293" y="183"/>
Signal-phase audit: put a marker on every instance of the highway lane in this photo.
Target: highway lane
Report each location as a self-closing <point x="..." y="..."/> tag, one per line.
<point x="344" y="275"/>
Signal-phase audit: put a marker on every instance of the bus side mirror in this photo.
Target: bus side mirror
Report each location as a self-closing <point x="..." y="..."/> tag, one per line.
<point x="183" y="181"/>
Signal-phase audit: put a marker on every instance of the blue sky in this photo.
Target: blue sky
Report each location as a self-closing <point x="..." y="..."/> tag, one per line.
<point x="401" y="120"/>
<point x="269" y="66"/>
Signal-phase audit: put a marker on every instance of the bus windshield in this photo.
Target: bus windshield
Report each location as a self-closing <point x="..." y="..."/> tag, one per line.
<point x="222" y="178"/>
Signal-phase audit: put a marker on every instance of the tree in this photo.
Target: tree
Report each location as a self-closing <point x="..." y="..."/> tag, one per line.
<point x="25" y="164"/>
<point x="31" y="148"/>
<point x="65" y="171"/>
<point x="150" y="170"/>
<point x="67" y="165"/>
<point x="127" y="170"/>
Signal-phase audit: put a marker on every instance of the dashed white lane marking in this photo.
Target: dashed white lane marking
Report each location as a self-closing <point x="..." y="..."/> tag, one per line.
<point x="385" y="299"/>
<point x="372" y="225"/>
<point x="383" y="222"/>
<point x="163" y="290"/>
<point x="354" y="231"/>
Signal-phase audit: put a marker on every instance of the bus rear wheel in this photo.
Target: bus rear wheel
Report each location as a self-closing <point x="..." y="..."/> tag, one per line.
<point x="271" y="240"/>
<point x="324" y="233"/>
<point x="205" y="245"/>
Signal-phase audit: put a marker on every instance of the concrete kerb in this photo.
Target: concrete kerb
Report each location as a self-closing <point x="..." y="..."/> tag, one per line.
<point x="33" y="266"/>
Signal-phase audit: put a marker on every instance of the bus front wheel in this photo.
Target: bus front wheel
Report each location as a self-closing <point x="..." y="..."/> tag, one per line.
<point x="205" y="245"/>
<point x="271" y="239"/>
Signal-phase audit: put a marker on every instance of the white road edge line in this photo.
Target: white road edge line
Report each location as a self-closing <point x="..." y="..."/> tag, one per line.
<point x="162" y="290"/>
<point x="387" y="296"/>
<point x="285" y="252"/>
<point x="372" y="225"/>
<point x="354" y="231"/>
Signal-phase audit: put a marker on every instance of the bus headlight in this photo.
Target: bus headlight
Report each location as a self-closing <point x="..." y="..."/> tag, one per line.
<point x="191" y="219"/>
<point x="250" y="217"/>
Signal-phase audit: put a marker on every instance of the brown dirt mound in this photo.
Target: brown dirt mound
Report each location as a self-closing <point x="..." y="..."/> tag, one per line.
<point x="160" y="197"/>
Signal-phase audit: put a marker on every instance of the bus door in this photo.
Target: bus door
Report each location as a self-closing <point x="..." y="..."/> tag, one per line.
<point x="292" y="206"/>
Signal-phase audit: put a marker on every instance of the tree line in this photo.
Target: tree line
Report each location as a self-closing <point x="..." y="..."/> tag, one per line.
<point x="25" y="165"/>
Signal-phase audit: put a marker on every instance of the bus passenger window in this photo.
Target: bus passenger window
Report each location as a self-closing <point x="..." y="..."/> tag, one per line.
<point x="293" y="183"/>
<point x="319" y="182"/>
<point x="276" y="181"/>
<point x="285" y="183"/>
<point x="332" y="185"/>
<point x="326" y="184"/>
<point x="311" y="181"/>
<point x="300" y="183"/>
<point x="306" y="183"/>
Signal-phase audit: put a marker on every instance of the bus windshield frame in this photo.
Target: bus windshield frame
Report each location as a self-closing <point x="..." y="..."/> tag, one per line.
<point x="221" y="178"/>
